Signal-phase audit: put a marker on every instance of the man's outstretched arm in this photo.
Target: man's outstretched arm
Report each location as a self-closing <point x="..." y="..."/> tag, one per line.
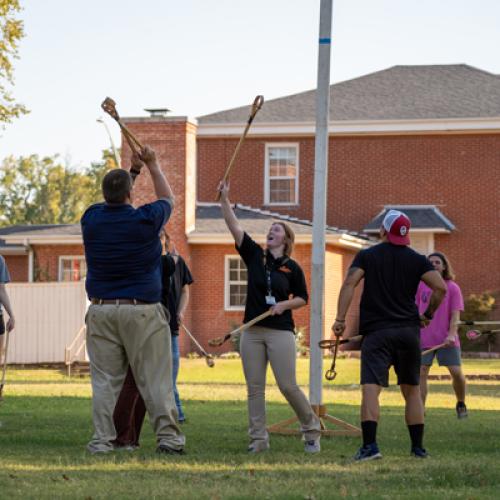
<point x="354" y="276"/>
<point x="435" y="282"/>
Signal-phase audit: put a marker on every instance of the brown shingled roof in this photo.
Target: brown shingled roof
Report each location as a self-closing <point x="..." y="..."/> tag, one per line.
<point x="209" y="220"/>
<point x="397" y="93"/>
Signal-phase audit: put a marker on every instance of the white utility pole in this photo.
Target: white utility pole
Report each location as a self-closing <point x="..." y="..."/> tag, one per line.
<point x="115" y="152"/>
<point x="319" y="213"/>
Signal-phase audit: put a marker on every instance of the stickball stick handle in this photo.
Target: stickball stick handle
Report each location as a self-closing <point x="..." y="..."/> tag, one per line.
<point x="256" y="105"/>
<point x="432" y="349"/>
<point x="218" y="341"/>
<point x="474" y="323"/>
<point x="208" y="357"/>
<point x="330" y="343"/>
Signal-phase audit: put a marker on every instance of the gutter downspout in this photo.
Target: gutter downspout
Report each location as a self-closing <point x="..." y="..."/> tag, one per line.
<point x="31" y="260"/>
<point x="31" y="265"/>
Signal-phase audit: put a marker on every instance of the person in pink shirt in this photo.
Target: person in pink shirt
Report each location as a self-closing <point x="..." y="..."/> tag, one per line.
<point x="443" y="329"/>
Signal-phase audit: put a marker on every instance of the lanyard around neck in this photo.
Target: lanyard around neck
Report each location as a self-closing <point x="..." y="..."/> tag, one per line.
<point x="268" y="276"/>
<point x="268" y="270"/>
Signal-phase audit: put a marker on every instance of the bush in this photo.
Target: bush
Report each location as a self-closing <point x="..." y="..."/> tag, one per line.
<point x="300" y="341"/>
<point x="477" y="307"/>
<point x="235" y="339"/>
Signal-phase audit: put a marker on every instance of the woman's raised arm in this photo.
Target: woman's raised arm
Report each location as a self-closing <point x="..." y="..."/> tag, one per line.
<point x="228" y="213"/>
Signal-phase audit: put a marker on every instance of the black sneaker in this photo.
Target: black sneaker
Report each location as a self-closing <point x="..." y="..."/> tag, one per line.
<point x="163" y="449"/>
<point x="368" y="452"/>
<point x="419" y="452"/>
<point x="461" y="410"/>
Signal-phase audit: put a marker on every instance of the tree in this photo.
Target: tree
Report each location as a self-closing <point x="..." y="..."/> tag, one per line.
<point x="36" y="190"/>
<point x="96" y="173"/>
<point x="11" y="32"/>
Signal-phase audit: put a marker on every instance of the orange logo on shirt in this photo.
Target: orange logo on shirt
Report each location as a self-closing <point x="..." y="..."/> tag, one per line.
<point x="284" y="269"/>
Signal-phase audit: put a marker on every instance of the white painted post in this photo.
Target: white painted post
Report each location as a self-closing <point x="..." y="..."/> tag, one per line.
<point x="113" y="147"/>
<point x="319" y="210"/>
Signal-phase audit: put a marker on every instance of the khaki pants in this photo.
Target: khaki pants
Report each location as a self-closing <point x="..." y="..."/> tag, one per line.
<point x="258" y="346"/>
<point x="139" y="335"/>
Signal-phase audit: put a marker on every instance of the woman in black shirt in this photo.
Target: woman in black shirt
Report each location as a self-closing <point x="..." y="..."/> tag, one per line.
<point x="275" y="282"/>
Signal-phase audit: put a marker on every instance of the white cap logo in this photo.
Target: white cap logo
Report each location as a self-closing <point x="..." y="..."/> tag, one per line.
<point x="403" y="230"/>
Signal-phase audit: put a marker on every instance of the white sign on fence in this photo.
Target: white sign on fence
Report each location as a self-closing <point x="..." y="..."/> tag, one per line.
<point x="48" y="316"/>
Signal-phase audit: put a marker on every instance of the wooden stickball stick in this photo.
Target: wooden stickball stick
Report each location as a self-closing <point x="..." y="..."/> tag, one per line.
<point x="218" y="341"/>
<point x="330" y="343"/>
<point x="432" y="349"/>
<point x="109" y="107"/>
<point x="257" y="104"/>
<point x="208" y="357"/>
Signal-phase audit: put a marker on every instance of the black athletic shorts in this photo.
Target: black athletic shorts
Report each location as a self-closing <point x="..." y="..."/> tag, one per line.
<point x="2" y="325"/>
<point x="395" y="346"/>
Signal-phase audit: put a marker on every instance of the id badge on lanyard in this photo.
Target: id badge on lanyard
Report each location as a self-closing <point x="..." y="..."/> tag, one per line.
<point x="270" y="299"/>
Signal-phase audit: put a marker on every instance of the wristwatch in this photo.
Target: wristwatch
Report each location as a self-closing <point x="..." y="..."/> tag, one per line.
<point x="134" y="173"/>
<point x="428" y="315"/>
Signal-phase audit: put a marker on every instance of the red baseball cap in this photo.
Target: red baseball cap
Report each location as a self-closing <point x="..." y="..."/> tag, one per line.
<point x="397" y="225"/>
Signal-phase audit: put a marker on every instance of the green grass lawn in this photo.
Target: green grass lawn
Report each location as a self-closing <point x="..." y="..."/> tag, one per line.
<point x="46" y="423"/>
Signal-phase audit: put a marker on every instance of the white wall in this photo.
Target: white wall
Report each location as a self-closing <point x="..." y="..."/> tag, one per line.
<point x="48" y="316"/>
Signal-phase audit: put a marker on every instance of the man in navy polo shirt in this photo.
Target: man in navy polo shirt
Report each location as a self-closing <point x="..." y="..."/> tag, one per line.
<point x="5" y="302"/>
<point x="126" y="323"/>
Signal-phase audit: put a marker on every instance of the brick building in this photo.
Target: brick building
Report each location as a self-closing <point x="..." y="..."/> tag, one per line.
<point x="425" y="139"/>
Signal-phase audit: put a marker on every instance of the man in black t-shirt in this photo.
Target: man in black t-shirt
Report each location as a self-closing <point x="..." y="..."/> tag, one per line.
<point x="175" y="297"/>
<point x="390" y="321"/>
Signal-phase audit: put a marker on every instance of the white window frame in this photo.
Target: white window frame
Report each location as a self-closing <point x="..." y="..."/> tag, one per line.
<point x="227" y="305"/>
<point x="60" y="266"/>
<point x="267" y="177"/>
<point x="427" y="236"/>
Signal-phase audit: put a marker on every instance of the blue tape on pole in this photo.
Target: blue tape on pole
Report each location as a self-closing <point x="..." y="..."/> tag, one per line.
<point x="325" y="41"/>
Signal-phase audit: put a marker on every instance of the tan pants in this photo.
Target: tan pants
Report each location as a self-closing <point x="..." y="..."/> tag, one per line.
<point x="258" y="346"/>
<point x="139" y="335"/>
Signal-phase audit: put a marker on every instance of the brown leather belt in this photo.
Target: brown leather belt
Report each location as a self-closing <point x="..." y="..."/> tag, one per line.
<point x="118" y="302"/>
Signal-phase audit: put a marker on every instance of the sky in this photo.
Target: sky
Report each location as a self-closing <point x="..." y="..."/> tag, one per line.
<point x="200" y="56"/>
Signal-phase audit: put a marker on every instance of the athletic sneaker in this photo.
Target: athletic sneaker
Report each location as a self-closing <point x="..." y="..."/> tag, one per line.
<point x="258" y="447"/>
<point x="125" y="447"/>
<point x="99" y="449"/>
<point x="312" y="446"/>
<point x="93" y="451"/>
<point x="368" y="452"/>
<point x="163" y="449"/>
<point x="461" y="410"/>
<point x="419" y="452"/>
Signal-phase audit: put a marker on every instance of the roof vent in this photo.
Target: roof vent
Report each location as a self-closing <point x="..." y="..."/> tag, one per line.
<point x="155" y="112"/>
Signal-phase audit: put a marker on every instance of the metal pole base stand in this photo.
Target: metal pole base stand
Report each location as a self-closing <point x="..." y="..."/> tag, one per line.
<point x="343" y="428"/>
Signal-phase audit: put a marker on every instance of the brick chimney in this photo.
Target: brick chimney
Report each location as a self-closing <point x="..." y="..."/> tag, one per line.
<point x="174" y="140"/>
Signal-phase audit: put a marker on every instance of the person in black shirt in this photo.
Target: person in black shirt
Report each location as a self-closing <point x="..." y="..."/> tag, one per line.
<point x="175" y="297"/>
<point x="130" y="409"/>
<point x="275" y="282"/>
<point x="390" y="321"/>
